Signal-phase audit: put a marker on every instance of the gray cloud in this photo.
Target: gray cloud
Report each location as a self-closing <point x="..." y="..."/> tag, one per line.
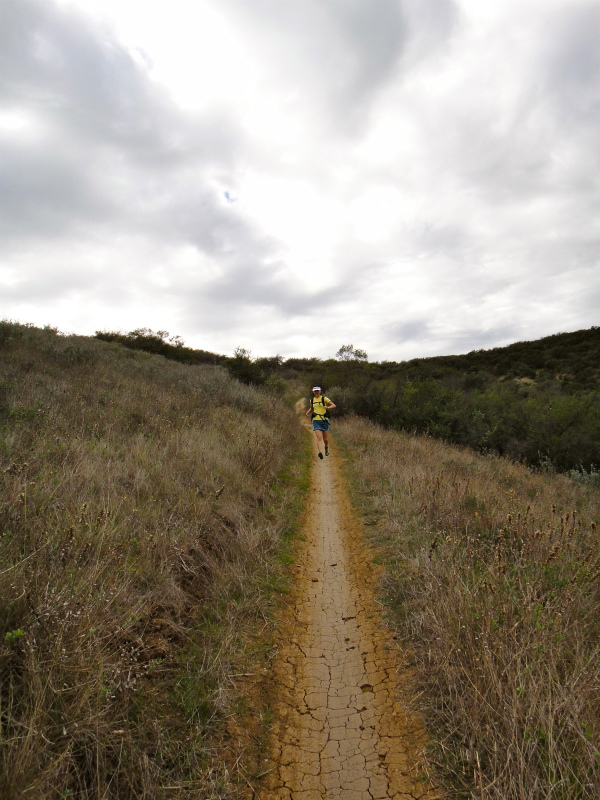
<point x="113" y="157"/>
<point x="416" y="331"/>
<point x="335" y="54"/>
<point x="267" y="293"/>
<point x="47" y="194"/>
<point x="434" y="337"/>
<point x="77" y="77"/>
<point x="431" y="24"/>
<point x="115" y="195"/>
<point x="476" y="339"/>
<point x="571" y="61"/>
<point x="104" y="134"/>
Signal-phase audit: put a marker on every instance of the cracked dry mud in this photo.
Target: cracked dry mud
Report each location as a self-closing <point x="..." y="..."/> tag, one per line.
<point x="340" y="731"/>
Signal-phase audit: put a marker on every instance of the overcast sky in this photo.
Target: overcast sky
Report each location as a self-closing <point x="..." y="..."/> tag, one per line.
<point x="414" y="177"/>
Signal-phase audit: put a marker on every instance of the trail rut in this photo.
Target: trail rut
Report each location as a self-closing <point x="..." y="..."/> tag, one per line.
<point x="340" y="731"/>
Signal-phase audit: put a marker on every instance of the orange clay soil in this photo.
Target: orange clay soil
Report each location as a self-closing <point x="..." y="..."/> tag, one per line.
<point x="340" y="731"/>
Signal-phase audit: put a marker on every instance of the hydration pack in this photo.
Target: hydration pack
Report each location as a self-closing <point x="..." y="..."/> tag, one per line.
<point x="321" y="400"/>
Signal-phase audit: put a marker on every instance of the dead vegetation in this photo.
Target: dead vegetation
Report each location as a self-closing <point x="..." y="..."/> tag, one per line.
<point x="139" y="524"/>
<point x="493" y="576"/>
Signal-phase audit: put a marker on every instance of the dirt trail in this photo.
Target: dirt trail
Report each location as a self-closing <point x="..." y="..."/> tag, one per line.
<point x="339" y="732"/>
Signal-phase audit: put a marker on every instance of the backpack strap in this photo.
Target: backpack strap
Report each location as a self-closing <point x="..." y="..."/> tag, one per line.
<point x="325" y="415"/>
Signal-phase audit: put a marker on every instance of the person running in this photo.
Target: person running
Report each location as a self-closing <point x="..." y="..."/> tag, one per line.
<point x="319" y="406"/>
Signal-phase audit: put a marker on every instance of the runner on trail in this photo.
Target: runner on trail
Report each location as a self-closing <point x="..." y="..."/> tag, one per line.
<point x="319" y="406"/>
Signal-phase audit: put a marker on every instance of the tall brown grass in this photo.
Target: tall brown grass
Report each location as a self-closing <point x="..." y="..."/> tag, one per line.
<point x="143" y="502"/>
<point x="493" y="578"/>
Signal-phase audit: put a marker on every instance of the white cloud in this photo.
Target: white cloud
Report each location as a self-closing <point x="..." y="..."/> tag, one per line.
<point x="414" y="176"/>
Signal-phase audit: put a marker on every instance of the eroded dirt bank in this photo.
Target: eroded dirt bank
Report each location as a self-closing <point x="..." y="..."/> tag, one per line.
<point x="339" y="731"/>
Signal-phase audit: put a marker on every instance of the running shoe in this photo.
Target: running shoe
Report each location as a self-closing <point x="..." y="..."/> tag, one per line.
<point x="326" y="451"/>
<point x="321" y="456"/>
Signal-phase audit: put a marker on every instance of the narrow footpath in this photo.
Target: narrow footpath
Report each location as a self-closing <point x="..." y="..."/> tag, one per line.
<point x="340" y="731"/>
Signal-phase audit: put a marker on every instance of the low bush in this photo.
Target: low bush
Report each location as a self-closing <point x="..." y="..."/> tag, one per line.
<point x="493" y="579"/>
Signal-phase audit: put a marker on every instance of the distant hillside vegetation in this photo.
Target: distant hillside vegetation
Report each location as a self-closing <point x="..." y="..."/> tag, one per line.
<point x="143" y="502"/>
<point x="573" y="359"/>
<point x="533" y="401"/>
<point x="537" y="402"/>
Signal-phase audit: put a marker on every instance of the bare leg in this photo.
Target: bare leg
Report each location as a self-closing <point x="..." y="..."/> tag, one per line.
<point x="326" y="440"/>
<point x="319" y="441"/>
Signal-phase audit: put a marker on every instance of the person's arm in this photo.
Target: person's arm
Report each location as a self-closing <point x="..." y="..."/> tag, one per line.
<point x="330" y="404"/>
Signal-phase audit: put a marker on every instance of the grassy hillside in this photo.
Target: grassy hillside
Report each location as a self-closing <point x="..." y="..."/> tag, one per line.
<point x="143" y="504"/>
<point x="492" y="577"/>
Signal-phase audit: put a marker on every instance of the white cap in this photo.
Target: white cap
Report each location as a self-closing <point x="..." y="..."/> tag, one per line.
<point x="316" y="388"/>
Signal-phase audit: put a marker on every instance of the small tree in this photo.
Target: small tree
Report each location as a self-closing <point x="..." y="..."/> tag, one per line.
<point x="242" y="352"/>
<point x="148" y="335"/>
<point x="244" y="368"/>
<point x="348" y="352"/>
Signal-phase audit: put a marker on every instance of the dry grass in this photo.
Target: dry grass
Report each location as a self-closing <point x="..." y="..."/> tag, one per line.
<point x="139" y="526"/>
<point x="493" y="576"/>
